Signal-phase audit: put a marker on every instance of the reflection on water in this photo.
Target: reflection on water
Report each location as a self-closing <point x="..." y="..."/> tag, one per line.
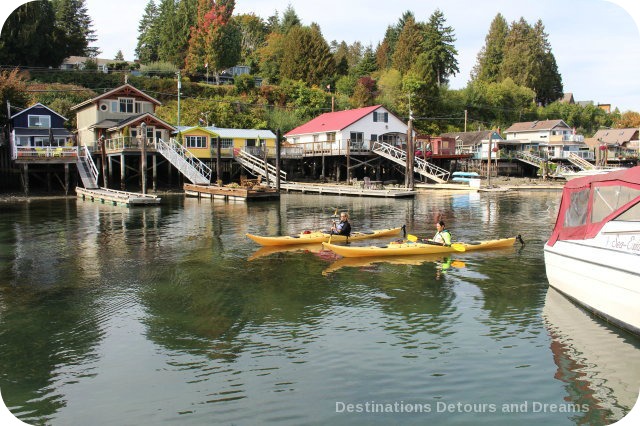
<point x="170" y="314"/>
<point x="602" y="363"/>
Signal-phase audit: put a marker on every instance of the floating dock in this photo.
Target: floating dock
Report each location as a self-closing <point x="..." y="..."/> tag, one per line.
<point x="347" y="190"/>
<point x="232" y="194"/>
<point x="111" y="196"/>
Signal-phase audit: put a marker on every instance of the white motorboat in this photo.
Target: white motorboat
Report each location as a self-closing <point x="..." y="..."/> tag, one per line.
<point x="590" y="172"/>
<point x="593" y="254"/>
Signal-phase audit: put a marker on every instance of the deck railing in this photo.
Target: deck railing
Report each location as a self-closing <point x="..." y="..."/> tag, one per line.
<point x="44" y="152"/>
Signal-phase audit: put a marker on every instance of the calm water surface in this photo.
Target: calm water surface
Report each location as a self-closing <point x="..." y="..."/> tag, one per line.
<point x="171" y="315"/>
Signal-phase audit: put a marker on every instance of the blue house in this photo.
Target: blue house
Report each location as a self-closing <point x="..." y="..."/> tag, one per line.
<point x="38" y="134"/>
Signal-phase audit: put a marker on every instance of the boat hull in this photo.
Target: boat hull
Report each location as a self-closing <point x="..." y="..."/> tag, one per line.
<point x="319" y="237"/>
<point x="409" y="248"/>
<point x="600" y="279"/>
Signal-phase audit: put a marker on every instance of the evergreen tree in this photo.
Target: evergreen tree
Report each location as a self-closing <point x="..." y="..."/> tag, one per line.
<point x="167" y="28"/>
<point x="186" y="17"/>
<point x="119" y="56"/>
<point x="367" y="64"/>
<point x="148" y="37"/>
<point x="306" y="56"/>
<point x="289" y="20"/>
<point x="73" y="22"/>
<point x="439" y="49"/>
<point x="490" y="57"/>
<point x="549" y="83"/>
<point x="406" y="49"/>
<point x="30" y="37"/>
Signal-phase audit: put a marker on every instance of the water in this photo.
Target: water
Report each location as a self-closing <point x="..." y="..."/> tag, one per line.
<point x="171" y="315"/>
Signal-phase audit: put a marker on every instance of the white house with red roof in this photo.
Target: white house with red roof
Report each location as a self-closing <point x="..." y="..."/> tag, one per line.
<point x="361" y="126"/>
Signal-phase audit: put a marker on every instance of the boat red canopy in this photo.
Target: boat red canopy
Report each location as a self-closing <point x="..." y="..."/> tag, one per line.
<point x="591" y="201"/>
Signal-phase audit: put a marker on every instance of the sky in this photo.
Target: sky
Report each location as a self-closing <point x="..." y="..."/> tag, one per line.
<point x="596" y="43"/>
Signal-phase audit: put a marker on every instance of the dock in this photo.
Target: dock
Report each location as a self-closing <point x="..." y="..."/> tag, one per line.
<point x="111" y="196"/>
<point x="350" y="190"/>
<point x="232" y="194"/>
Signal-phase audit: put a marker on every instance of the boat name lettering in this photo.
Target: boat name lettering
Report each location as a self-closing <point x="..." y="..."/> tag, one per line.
<point x="630" y="243"/>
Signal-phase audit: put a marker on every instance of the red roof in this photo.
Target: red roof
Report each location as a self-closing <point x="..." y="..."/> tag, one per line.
<point x="332" y="121"/>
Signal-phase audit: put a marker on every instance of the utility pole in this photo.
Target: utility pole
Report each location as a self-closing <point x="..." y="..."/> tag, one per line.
<point x="466" y="115"/>
<point x="143" y="156"/>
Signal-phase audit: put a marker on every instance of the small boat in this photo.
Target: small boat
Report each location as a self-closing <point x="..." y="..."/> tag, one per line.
<point x="405" y="248"/>
<point x="307" y="237"/>
<point x="590" y="172"/>
<point x="593" y="254"/>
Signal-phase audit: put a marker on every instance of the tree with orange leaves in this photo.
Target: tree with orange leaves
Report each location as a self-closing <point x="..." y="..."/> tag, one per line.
<point x="215" y="40"/>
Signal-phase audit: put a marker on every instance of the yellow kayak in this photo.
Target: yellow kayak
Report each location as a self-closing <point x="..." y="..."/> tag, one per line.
<point x="320" y="236"/>
<point x="409" y="248"/>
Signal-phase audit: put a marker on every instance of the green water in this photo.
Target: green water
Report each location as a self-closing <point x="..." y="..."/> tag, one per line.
<point x="167" y="314"/>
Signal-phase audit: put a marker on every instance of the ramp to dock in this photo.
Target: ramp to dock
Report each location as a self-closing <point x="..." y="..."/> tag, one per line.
<point x="111" y="196"/>
<point x="422" y="167"/>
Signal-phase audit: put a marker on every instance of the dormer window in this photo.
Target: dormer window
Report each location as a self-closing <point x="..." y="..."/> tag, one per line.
<point x="126" y="105"/>
<point x="40" y="121"/>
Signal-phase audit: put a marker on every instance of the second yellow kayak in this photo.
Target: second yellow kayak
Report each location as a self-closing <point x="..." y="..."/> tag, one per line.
<point x="409" y="248"/>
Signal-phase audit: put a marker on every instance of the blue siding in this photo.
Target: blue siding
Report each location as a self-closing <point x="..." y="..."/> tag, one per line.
<point x="22" y="120"/>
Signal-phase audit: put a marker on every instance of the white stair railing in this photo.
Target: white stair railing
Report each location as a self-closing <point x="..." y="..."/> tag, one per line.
<point x="580" y="162"/>
<point x="424" y="168"/>
<point x="191" y="167"/>
<point x="537" y="161"/>
<point x="256" y="166"/>
<point x="87" y="169"/>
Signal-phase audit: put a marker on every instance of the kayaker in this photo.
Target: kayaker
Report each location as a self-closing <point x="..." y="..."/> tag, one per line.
<point x="443" y="236"/>
<point x="343" y="227"/>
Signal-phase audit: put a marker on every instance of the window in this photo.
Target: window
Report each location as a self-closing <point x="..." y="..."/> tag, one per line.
<point x="126" y="105"/>
<point x="114" y="106"/>
<point x="380" y="117"/>
<point x="576" y="214"/>
<point x="356" y="137"/>
<point x="250" y="142"/>
<point x="374" y="138"/>
<point x="331" y="137"/>
<point x="40" y="121"/>
<point x="196" y="141"/>
<point x="607" y="199"/>
<point x="137" y="107"/>
<point x="226" y="143"/>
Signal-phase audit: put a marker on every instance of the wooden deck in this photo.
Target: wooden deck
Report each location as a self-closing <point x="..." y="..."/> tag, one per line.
<point x="123" y="198"/>
<point x="350" y="190"/>
<point x="222" y="192"/>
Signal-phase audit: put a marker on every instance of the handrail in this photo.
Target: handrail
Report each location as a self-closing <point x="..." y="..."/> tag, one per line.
<point x="189" y="165"/>
<point x="257" y="165"/>
<point x="92" y="166"/>
<point x="398" y="155"/>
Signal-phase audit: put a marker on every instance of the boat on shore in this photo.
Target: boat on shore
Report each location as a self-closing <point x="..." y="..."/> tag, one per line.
<point x="307" y="237"/>
<point x="406" y="248"/>
<point x="593" y="254"/>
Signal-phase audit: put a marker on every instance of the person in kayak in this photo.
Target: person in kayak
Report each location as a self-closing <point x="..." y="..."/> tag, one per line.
<point x="343" y="227"/>
<point x="443" y="236"/>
